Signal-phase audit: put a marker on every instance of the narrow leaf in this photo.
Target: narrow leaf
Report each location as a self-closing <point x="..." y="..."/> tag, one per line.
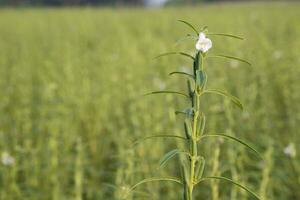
<point x="196" y="62"/>
<point x="177" y="112"/>
<point x="188" y="128"/>
<point x="234" y="99"/>
<point x="204" y="28"/>
<point x="174" y="53"/>
<point x="147" y="180"/>
<point x="226" y="35"/>
<point x="201" y="78"/>
<point x="163" y="161"/>
<point x="200" y="168"/>
<point x="235" y="139"/>
<point x="167" y="92"/>
<point x="233" y="182"/>
<point x="190" y="87"/>
<point x="182" y="73"/>
<point x="190" y="25"/>
<point x="230" y="57"/>
<point x="158" y="136"/>
<point x="201" y="125"/>
<point x="188" y="111"/>
<point x="187" y="55"/>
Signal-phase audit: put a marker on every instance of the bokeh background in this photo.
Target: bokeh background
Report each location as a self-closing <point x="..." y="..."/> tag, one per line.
<point x="72" y="79"/>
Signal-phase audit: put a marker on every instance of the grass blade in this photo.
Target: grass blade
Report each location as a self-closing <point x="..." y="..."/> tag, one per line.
<point x="167" y="92"/>
<point x="189" y="25"/>
<point x="230" y="57"/>
<point x="147" y="180"/>
<point x="234" y="99"/>
<point x="235" y="139"/>
<point x="227" y="35"/>
<point x="232" y="182"/>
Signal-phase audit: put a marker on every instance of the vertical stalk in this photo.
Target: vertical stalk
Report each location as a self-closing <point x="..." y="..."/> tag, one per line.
<point x="194" y="138"/>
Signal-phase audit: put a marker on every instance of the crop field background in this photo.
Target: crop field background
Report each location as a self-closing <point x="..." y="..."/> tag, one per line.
<point x="71" y="101"/>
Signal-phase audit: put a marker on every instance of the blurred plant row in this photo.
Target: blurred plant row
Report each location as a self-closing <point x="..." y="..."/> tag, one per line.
<point x="71" y="102"/>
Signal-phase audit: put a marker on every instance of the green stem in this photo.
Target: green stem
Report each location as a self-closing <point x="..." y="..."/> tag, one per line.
<point x="189" y="187"/>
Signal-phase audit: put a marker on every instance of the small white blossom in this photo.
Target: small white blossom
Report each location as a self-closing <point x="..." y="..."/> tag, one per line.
<point x="7" y="159"/>
<point x="203" y="44"/>
<point x="290" y="150"/>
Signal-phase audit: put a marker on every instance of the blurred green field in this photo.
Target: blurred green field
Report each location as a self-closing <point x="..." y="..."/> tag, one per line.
<point x="71" y="85"/>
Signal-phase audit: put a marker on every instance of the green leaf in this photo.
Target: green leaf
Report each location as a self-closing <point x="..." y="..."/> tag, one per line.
<point x="177" y="112"/>
<point x="187" y="55"/>
<point x="188" y="111"/>
<point x="230" y="57"/>
<point x="147" y="180"/>
<point x="234" y="99"/>
<point x="182" y="73"/>
<point x="204" y="29"/>
<point x="201" y="125"/>
<point x="235" y="139"/>
<point x="174" y="53"/>
<point x="231" y="181"/>
<point x="188" y="128"/>
<point x="226" y="35"/>
<point x="200" y="168"/>
<point x="190" y="88"/>
<point x="189" y="25"/>
<point x="201" y="78"/>
<point x="158" y="136"/>
<point x="163" y="161"/>
<point x="167" y="92"/>
<point x="196" y="62"/>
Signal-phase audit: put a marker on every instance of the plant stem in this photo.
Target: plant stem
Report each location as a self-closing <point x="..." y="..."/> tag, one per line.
<point x="194" y="138"/>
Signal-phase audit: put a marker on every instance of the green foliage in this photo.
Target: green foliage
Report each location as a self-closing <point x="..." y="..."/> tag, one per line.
<point x="193" y="167"/>
<point x="71" y="82"/>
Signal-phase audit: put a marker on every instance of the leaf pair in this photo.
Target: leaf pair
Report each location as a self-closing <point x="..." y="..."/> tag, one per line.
<point x="212" y="34"/>
<point x="176" y="180"/>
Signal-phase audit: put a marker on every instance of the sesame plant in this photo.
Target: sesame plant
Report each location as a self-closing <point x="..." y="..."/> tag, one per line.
<point x="192" y="162"/>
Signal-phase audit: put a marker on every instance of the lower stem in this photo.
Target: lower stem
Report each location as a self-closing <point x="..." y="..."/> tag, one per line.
<point x="193" y="151"/>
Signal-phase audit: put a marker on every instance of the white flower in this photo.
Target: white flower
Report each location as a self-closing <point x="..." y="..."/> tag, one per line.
<point x="203" y="43"/>
<point x="7" y="159"/>
<point x="290" y="150"/>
